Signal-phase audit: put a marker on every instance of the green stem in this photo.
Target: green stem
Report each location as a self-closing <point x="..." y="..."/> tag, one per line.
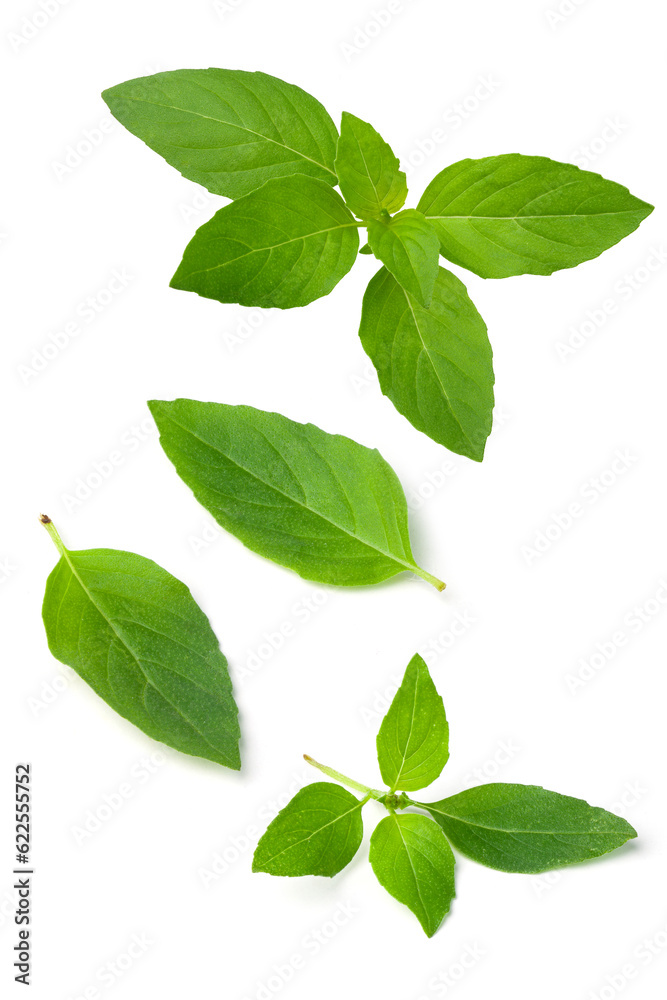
<point x="372" y="793"/>
<point x="433" y="580"/>
<point x="55" y="537"/>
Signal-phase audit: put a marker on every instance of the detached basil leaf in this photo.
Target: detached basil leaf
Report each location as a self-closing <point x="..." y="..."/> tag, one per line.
<point x="319" y="503"/>
<point x="368" y="172"/>
<point x="514" y="214"/>
<point x="434" y="364"/>
<point x="525" y="828"/>
<point x="414" y="863"/>
<point x="134" y="633"/>
<point x="408" y="246"/>
<point x="317" y="833"/>
<point x="228" y="129"/>
<point x="284" y="245"/>
<point x="413" y="742"/>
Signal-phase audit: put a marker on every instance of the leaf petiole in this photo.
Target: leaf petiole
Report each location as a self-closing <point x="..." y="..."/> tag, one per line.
<point x="371" y="793"/>
<point x="53" y="534"/>
<point x="433" y="580"/>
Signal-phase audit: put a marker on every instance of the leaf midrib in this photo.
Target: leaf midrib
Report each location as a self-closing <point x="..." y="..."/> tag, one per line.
<point x="412" y="868"/>
<point x="502" y="829"/>
<point x="517" y="218"/>
<point x="297" y="843"/>
<point x="403" y="754"/>
<point x="435" y="370"/>
<point x="243" y="128"/>
<point x="410" y="566"/>
<point x="275" y="246"/>
<point x="65" y="553"/>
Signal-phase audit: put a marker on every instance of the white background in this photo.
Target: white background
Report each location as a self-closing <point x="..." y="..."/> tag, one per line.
<point x="529" y="82"/>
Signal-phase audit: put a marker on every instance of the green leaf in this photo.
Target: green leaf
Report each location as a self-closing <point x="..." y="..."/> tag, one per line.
<point x="525" y="828"/>
<point x="284" y="245"/>
<point x="414" y="863"/>
<point x="413" y="742"/>
<point x="434" y="364"/>
<point x="134" y="633"/>
<point x="408" y="246"/>
<point x="319" y="503"/>
<point x="514" y="214"/>
<point x="368" y="172"/>
<point x="228" y="129"/>
<point x="317" y="833"/>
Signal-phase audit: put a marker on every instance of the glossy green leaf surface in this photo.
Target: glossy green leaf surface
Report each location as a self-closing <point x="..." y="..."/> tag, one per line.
<point x="228" y="129"/>
<point x="414" y="863"/>
<point x="514" y="214"/>
<point x="409" y="248"/>
<point x="320" y="504"/>
<point x="283" y="245"/>
<point x="134" y="633"/>
<point x="525" y="828"/>
<point x="413" y="741"/>
<point x="368" y="171"/>
<point x="317" y="833"/>
<point x="434" y="364"/>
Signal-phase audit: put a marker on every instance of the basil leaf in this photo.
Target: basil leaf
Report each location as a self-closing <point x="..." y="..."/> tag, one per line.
<point x="408" y="246"/>
<point x="514" y="214"/>
<point x="134" y="633"/>
<point x="413" y="741"/>
<point x="525" y="828"/>
<point x="228" y="129"/>
<point x="434" y="364"/>
<point x="368" y="172"/>
<point x="283" y="245"/>
<point x="318" y="503"/>
<point x="414" y="863"/>
<point x="317" y="833"/>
